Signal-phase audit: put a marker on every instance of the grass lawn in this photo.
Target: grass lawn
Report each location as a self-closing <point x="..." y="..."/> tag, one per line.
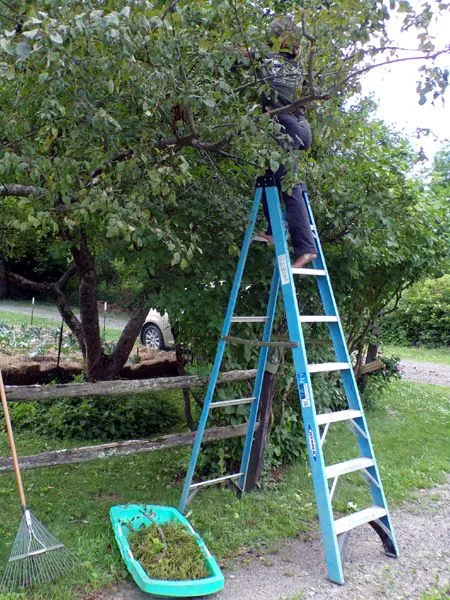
<point x="22" y="319"/>
<point x="437" y="594"/>
<point x="18" y="319"/>
<point x="434" y="355"/>
<point x="409" y="430"/>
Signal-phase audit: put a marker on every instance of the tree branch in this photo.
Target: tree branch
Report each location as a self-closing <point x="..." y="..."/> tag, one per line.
<point x="398" y="294"/>
<point x="8" y="5"/>
<point x="188" y="109"/>
<point x="297" y="105"/>
<point x="305" y="34"/>
<point x="53" y="291"/>
<point x="236" y="159"/>
<point x="22" y="191"/>
<point x="122" y="156"/>
<point x="391" y="62"/>
<point x="170" y="8"/>
<point x="66" y="277"/>
<point x="27" y="284"/>
<point x="3" y="16"/>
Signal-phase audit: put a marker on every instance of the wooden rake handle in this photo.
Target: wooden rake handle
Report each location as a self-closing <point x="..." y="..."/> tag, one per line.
<point x="12" y="443"/>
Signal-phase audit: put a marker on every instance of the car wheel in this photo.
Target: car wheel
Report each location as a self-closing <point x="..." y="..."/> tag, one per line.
<point x="152" y="337"/>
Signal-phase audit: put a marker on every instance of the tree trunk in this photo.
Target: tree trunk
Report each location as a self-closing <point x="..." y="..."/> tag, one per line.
<point x="4" y="287"/>
<point x="371" y="356"/>
<point x="262" y="435"/>
<point x="186" y="394"/>
<point x="113" y="363"/>
<point x="94" y="356"/>
<point x="98" y="366"/>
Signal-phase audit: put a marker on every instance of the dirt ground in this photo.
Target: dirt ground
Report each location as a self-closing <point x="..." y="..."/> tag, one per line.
<point x="25" y="370"/>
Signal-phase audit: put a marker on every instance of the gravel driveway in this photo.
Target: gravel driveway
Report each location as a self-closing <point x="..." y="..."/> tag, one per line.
<point x="425" y="372"/>
<point x="297" y="570"/>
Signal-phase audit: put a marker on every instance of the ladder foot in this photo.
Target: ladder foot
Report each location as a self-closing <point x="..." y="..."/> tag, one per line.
<point x="232" y="485"/>
<point x="389" y="547"/>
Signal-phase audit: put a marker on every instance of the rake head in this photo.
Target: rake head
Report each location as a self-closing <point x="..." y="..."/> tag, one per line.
<point x="36" y="556"/>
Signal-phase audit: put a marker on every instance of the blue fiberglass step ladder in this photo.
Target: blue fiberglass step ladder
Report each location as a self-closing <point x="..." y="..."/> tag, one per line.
<point x="334" y="531"/>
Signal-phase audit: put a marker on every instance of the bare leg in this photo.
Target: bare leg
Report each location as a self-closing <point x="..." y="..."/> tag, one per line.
<point x="303" y="260"/>
<point x="268" y="237"/>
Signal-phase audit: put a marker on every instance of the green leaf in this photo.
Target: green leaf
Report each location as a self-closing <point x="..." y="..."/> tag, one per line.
<point x="31" y="33"/>
<point x="56" y="38"/>
<point x="7" y="46"/>
<point x="23" y="50"/>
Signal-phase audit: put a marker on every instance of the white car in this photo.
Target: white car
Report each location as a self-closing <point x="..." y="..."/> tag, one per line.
<point x="156" y="332"/>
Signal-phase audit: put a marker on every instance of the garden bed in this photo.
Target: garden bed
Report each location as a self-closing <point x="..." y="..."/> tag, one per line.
<point x="21" y="369"/>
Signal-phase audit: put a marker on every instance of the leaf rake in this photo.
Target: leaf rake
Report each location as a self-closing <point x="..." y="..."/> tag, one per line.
<point x="36" y="556"/>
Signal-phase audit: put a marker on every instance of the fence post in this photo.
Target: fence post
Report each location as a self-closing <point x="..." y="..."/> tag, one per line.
<point x="60" y="343"/>
<point x="105" y="309"/>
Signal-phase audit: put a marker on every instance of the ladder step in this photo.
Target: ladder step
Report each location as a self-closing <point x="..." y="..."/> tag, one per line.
<point x="249" y="319"/>
<point x="303" y="271"/>
<point x="331" y="366"/>
<point x="318" y="319"/>
<point x="214" y="481"/>
<point x="341" y="415"/>
<point x="359" y="518"/>
<point x="232" y="402"/>
<point x="349" y="466"/>
<point x="238" y="340"/>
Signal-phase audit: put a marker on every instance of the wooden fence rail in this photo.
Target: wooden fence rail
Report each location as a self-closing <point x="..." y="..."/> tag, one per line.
<point x="116" y="388"/>
<point x="29" y="393"/>
<point x="76" y="455"/>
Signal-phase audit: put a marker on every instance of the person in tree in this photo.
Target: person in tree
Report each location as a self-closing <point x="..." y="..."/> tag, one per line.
<point x="285" y="80"/>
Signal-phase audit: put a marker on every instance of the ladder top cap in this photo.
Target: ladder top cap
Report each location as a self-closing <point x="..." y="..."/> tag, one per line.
<point x="266" y="181"/>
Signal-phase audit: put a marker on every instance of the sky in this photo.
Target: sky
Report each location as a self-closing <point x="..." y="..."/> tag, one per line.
<point x="394" y="88"/>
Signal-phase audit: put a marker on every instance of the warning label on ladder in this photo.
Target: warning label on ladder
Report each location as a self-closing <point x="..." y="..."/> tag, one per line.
<point x="312" y="442"/>
<point x="283" y="268"/>
<point x="303" y="389"/>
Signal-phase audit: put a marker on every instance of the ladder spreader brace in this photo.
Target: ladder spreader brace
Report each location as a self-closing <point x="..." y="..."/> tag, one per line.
<point x="334" y="531"/>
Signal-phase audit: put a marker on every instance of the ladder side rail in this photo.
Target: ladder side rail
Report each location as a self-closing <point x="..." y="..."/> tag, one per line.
<point x="262" y="359"/>
<point x="348" y="377"/>
<point x="220" y="350"/>
<point x="330" y="308"/>
<point x="315" y="454"/>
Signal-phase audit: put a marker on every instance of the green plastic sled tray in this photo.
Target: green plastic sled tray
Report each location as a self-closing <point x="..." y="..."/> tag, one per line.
<point x="121" y="518"/>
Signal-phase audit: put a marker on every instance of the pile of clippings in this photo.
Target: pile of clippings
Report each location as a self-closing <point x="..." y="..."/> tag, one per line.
<point x="169" y="552"/>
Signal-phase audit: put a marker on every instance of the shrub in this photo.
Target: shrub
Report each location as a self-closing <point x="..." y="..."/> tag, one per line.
<point x="106" y="418"/>
<point x="287" y="440"/>
<point x="378" y="381"/>
<point x="422" y="315"/>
